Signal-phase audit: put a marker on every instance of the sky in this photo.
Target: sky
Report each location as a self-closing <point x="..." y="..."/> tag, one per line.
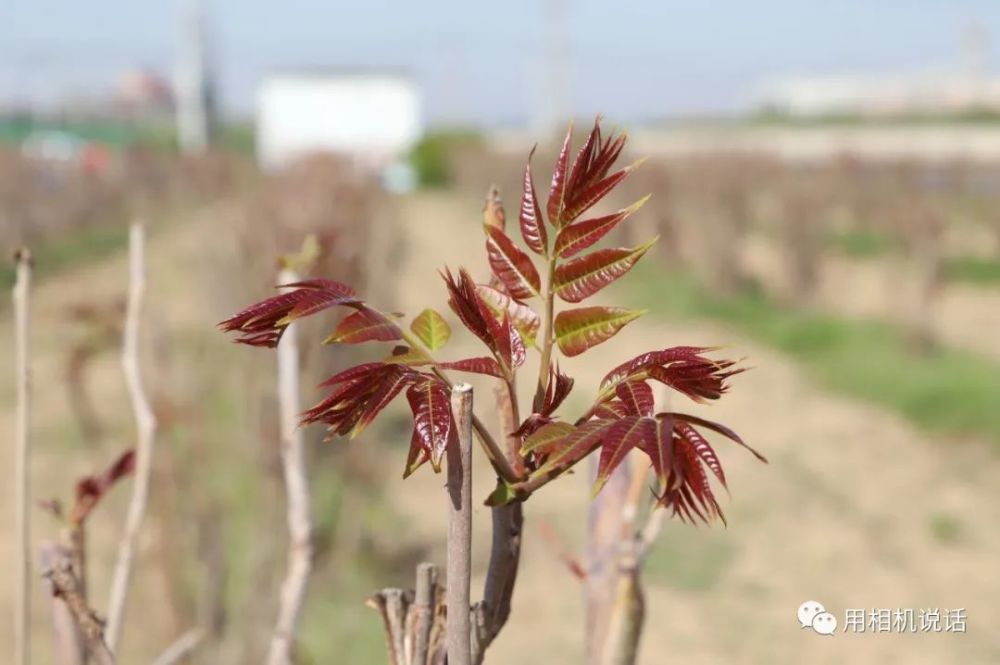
<point x="484" y="62"/>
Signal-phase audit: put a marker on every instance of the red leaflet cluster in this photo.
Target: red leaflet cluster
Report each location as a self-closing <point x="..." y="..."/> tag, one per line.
<point x="622" y="417"/>
<point x="264" y="323"/>
<point x="360" y="393"/>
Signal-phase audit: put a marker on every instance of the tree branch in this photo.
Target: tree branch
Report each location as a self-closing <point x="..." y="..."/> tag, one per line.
<point x="146" y="426"/>
<point x="293" y="590"/>
<point x="492" y="612"/>
<point x="22" y="464"/>
<point x="58" y="570"/>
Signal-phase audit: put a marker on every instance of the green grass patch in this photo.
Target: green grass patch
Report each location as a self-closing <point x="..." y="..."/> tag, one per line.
<point x="945" y="529"/>
<point x="689" y="560"/>
<point x="431" y="157"/>
<point x="973" y="269"/>
<point x="861" y="243"/>
<point x="946" y="391"/>
<point x="73" y="249"/>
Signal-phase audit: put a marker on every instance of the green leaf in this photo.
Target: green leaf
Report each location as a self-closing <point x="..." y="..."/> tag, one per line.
<point x="580" y="329"/>
<point x="364" y="325"/>
<point x="511" y="265"/>
<point x="578" y="236"/>
<point x="404" y="355"/>
<point x="586" y="275"/>
<point x="546" y="437"/>
<point x="431" y="329"/>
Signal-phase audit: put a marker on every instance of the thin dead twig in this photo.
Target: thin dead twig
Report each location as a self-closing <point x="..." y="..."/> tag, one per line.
<point x="181" y="647"/>
<point x="293" y="589"/>
<point x="146" y="426"/>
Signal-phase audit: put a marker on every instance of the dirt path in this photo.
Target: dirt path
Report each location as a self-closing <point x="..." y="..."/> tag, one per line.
<point x="856" y="509"/>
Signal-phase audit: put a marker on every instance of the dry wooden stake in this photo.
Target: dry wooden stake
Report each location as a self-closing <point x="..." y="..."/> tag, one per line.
<point x="460" y="528"/>
<point x="22" y="464"/>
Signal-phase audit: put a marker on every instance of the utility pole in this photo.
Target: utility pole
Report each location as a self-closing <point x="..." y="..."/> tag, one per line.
<point x="553" y="107"/>
<point x="195" y="93"/>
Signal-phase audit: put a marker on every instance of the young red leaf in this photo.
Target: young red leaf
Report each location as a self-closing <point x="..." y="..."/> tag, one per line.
<point x="661" y="451"/>
<point x="469" y="307"/>
<point x="611" y="410"/>
<point x="546" y="438"/>
<point x="557" y="189"/>
<point x="511" y="265"/>
<point x="431" y="329"/>
<point x="525" y="319"/>
<point x="532" y="225"/>
<point x="583" y="198"/>
<point x="493" y="212"/>
<point x="392" y="382"/>
<point x="418" y="455"/>
<point x="697" y="378"/>
<point x="584" y="160"/>
<point x="578" y="236"/>
<point x="484" y="365"/>
<point x="584" y="276"/>
<point x="577" y="444"/>
<point x="637" y="397"/>
<point x="351" y="373"/>
<point x="557" y="389"/>
<point x="91" y="489"/>
<point x="263" y="323"/>
<point x="518" y="353"/>
<point x="577" y="330"/>
<point x="622" y="436"/>
<point x="432" y="421"/>
<point x="715" y="427"/>
<point x="703" y="448"/>
<point x="639" y="364"/>
<point x="364" y="325"/>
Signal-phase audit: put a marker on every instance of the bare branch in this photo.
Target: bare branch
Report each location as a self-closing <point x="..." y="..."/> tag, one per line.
<point x="58" y="570"/>
<point x="22" y="464"/>
<point x="492" y="612"/>
<point x="460" y="528"/>
<point x="146" y="426"/>
<point x="293" y="590"/>
<point x="181" y="647"/>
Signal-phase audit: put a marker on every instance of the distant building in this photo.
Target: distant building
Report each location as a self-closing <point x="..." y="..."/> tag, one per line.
<point x="372" y="117"/>
<point x="880" y="96"/>
<point x="965" y="86"/>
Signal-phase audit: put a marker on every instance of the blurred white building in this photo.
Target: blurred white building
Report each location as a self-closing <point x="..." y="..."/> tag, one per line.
<point x="880" y="96"/>
<point x="373" y="117"/>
